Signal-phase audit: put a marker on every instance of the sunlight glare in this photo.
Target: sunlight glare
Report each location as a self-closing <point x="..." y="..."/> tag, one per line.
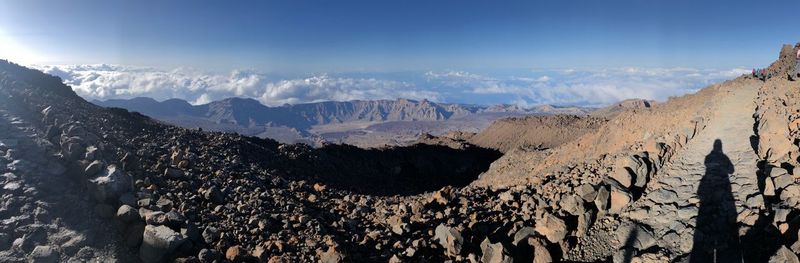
<point x="15" y="51"/>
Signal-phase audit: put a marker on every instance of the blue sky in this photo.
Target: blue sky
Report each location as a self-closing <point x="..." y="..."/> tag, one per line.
<point x="303" y="39"/>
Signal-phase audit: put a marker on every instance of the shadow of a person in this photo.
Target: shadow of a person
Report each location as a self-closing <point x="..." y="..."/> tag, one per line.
<point x="716" y="237"/>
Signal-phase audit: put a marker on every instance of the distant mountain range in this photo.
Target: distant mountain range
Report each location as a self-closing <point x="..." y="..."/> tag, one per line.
<point x="249" y="112"/>
<point x="250" y="117"/>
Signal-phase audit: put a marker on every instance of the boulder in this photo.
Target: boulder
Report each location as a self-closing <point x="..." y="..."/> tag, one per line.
<point x="450" y="239"/>
<point x="176" y="157"/>
<point x="619" y="200"/>
<point x="332" y="255"/>
<point x="174" y="219"/>
<point x="663" y="196"/>
<point x="442" y="196"/>
<point x="523" y="234"/>
<point x="173" y="173"/>
<point x="795" y="247"/>
<point x="398" y="225"/>
<point x="91" y="153"/>
<point x="643" y="170"/>
<point x="43" y="254"/>
<point x="158" y="243"/>
<point x="636" y="236"/>
<point x="93" y="168"/>
<point x="572" y="204"/>
<point x="210" y="235"/>
<point x="164" y="204"/>
<point x="552" y="227"/>
<point x="260" y="253"/>
<point x="213" y="194"/>
<point x="602" y="199"/>
<point x="784" y="255"/>
<point x="110" y="185"/>
<point x="769" y="187"/>
<point x="756" y="201"/>
<point x="494" y="252"/>
<point x="782" y="180"/>
<point x="587" y="192"/>
<point x="631" y="171"/>
<point x="622" y="176"/>
<point x="319" y="187"/>
<point x="775" y="172"/>
<point x="790" y="192"/>
<point x="540" y="252"/>
<point x="236" y="254"/>
<point x="585" y="221"/>
<point x="155" y="218"/>
<point x="74" y="151"/>
<point x="506" y="196"/>
<point x="128" y="214"/>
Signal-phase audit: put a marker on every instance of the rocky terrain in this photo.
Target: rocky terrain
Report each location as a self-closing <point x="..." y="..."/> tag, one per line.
<point x="707" y="177"/>
<point x="535" y="132"/>
<point x="364" y="123"/>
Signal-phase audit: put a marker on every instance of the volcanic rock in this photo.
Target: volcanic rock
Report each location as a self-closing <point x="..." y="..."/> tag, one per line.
<point x="551" y="227"/>
<point x="158" y="242"/>
<point x="111" y="183"/>
<point x="494" y="252"/>
<point x="449" y="238"/>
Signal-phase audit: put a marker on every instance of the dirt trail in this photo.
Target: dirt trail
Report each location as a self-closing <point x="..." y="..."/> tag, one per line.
<point x="706" y="186"/>
<point x="695" y="191"/>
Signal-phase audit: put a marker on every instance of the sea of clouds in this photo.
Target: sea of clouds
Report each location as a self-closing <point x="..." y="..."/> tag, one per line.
<point x="527" y="88"/>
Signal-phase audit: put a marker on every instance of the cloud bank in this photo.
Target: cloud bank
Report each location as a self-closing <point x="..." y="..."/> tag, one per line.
<point x="558" y="87"/>
<point x="114" y="82"/>
<point x="588" y="87"/>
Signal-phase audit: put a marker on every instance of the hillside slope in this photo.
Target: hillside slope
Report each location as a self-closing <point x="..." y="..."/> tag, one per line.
<point x="535" y="132"/>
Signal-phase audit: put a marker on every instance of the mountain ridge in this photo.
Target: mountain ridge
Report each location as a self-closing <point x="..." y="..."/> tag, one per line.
<point x="302" y="122"/>
<point x="317" y="113"/>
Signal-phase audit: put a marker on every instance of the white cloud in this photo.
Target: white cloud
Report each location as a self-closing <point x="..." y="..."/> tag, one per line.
<point x="560" y="87"/>
<point x="593" y="87"/>
<point x="113" y="81"/>
<point x="203" y="99"/>
<point x="322" y="88"/>
<point x="452" y="74"/>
